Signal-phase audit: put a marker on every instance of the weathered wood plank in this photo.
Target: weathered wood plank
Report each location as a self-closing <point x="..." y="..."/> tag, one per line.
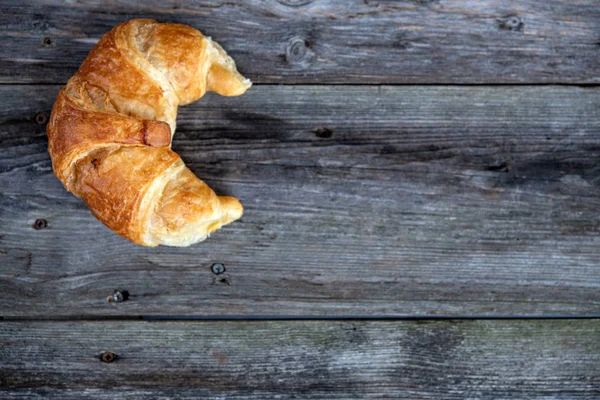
<point x="334" y="41"/>
<point x="359" y="200"/>
<point x="557" y="359"/>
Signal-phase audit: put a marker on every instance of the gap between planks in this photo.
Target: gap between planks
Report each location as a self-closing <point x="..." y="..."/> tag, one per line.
<point x="258" y="318"/>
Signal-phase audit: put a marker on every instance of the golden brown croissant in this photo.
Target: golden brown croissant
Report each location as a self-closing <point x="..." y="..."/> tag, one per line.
<point x="111" y="127"/>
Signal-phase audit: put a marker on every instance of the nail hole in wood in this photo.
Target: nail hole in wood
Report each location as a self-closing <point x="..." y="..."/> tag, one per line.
<point x="118" y="296"/>
<point x="108" y="356"/>
<point x="217" y="268"/>
<point x="40" y="223"/>
<point x="47" y="41"/>
<point x="511" y="23"/>
<point x="504" y="166"/>
<point x="323" y="133"/>
<point x="41" y="118"/>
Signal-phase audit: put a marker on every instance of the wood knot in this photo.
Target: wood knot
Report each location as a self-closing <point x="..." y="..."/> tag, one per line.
<point x="118" y="296"/>
<point x="323" y="133"/>
<point x="511" y="23"/>
<point x="297" y="51"/>
<point x="295" y="3"/>
<point x="41" y="118"/>
<point x="108" y="356"/>
<point x="402" y="41"/>
<point x="47" y="41"/>
<point x="39" y="223"/>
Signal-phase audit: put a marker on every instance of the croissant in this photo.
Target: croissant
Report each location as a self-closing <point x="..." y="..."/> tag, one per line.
<point x="110" y="131"/>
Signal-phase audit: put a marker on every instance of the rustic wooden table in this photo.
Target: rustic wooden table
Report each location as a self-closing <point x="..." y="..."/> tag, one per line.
<point x="421" y="182"/>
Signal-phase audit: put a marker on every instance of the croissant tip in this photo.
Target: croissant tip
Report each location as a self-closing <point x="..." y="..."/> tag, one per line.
<point x="245" y="85"/>
<point x="232" y="209"/>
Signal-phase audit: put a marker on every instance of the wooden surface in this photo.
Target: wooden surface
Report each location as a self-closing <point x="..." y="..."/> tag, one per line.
<point x="387" y="168"/>
<point x="423" y="201"/>
<point x="301" y="360"/>
<point x="335" y="41"/>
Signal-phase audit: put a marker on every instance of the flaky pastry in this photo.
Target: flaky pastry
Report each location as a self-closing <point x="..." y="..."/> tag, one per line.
<point x="111" y="127"/>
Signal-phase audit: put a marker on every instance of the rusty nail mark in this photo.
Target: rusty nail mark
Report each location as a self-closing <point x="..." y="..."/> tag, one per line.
<point x="39" y="223"/>
<point x="118" y="296"/>
<point x="217" y="268"/>
<point x="41" y="118"/>
<point x="323" y="133"/>
<point x="108" y="356"/>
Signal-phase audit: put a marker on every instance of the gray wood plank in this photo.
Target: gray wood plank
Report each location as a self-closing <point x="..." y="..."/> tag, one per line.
<point x="557" y="359"/>
<point x="359" y="200"/>
<point x="329" y="41"/>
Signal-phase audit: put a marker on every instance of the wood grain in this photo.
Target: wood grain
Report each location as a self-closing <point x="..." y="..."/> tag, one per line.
<point x="310" y="360"/>
<point x="359" y="201"/>
<point x="329" y="41"/>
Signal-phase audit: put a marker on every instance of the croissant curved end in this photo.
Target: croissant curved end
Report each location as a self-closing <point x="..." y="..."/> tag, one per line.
<point x="110" y="129"/>
<point x="223" y="77"/>
<point x="232" y="209"/>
